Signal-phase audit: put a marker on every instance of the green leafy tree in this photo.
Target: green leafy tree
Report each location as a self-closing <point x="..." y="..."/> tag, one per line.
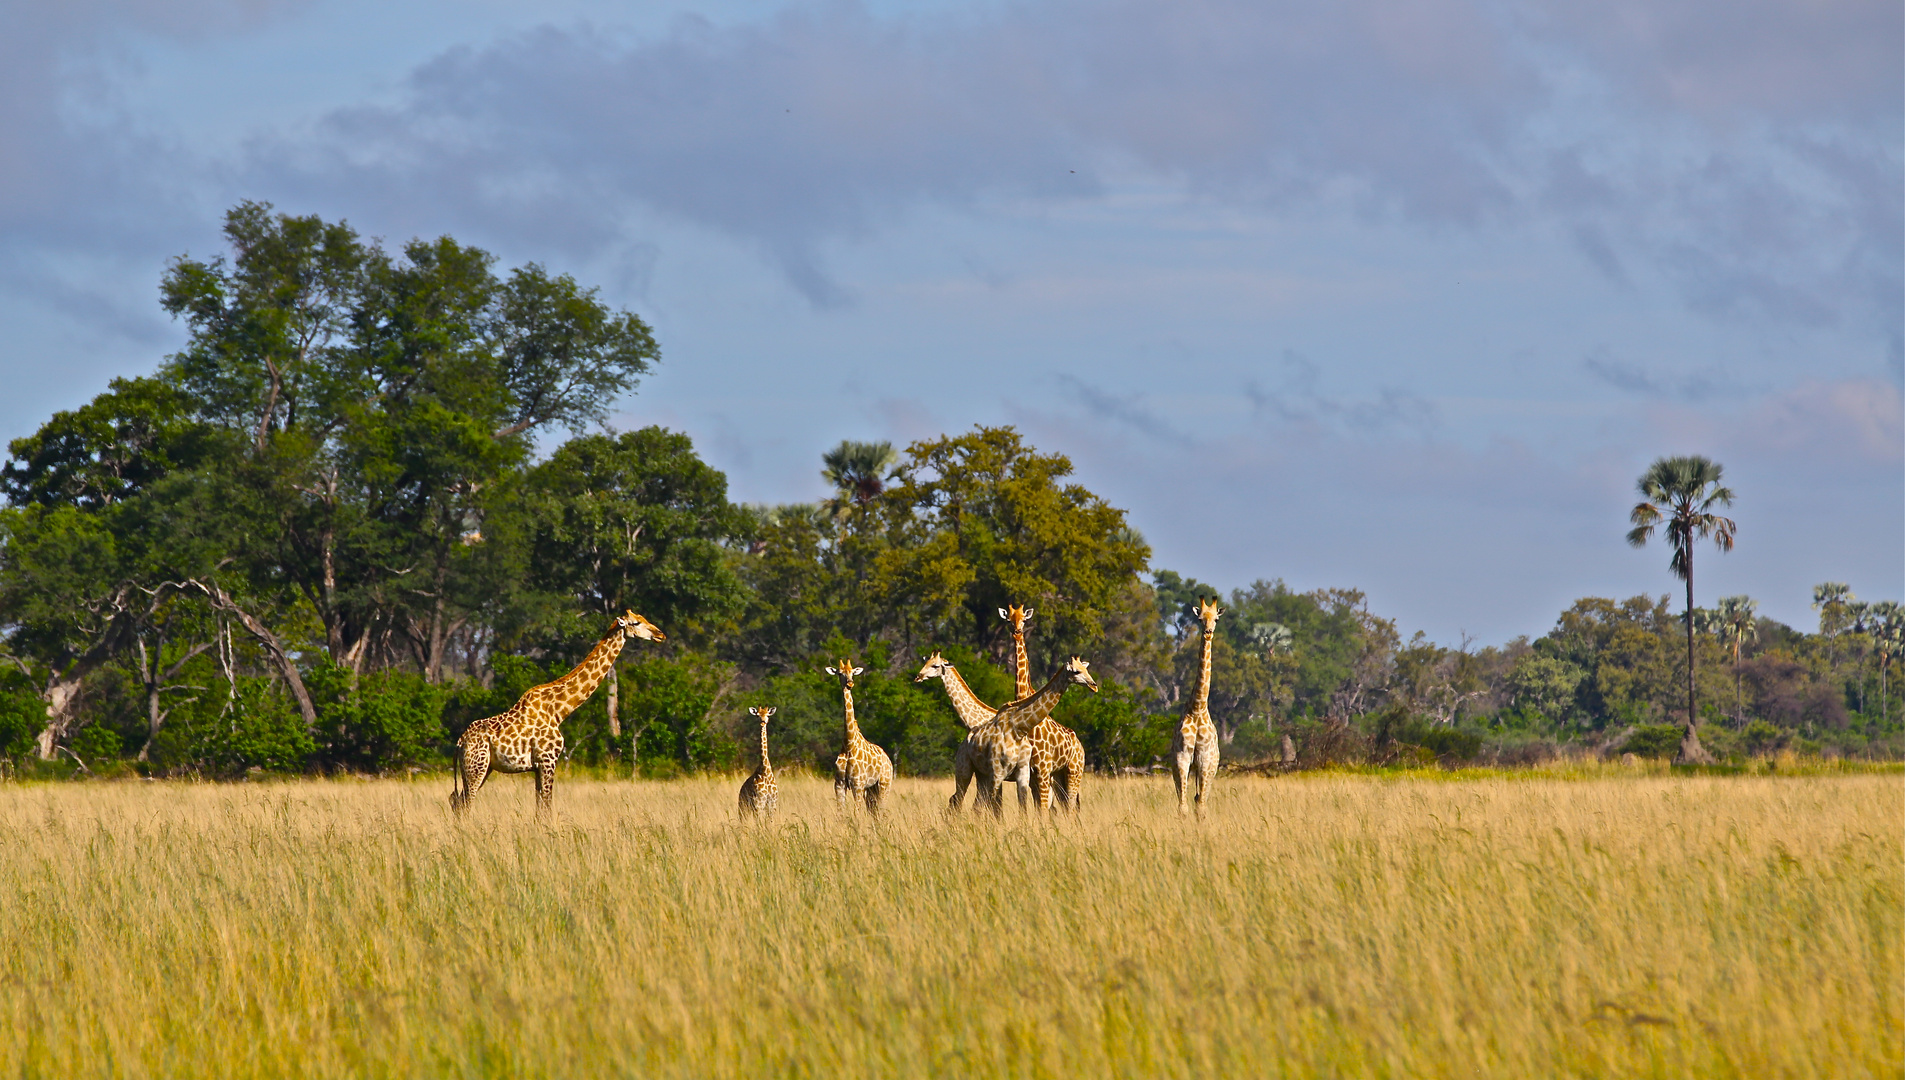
<point x="386" y="400"/>
<point x="981" y="521"/>
<point x="630" y="521"/>
<point x="1682" y="492"/>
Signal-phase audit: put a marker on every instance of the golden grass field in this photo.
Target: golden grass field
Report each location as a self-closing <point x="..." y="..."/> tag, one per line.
<point x="1612" y="924"/>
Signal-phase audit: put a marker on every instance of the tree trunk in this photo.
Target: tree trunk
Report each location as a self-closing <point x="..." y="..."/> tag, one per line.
<point x="615" y="707"/>
<point x="1691" y="752"/>
<point x="60" y="694"/>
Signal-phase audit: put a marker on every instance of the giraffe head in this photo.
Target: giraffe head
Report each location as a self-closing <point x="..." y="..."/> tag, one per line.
<point x="1017" y="616"/>
<point x="637" y="627"/>
<point x="762" y="711"/>
<point x="1207" y="612"/>
<point x="845" y="672"/>
<point x="1077" y="674"/>
<point x="936" y="667"/>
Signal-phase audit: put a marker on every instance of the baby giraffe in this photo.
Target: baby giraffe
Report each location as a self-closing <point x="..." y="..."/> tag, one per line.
<point x="862" y="771"/>
<point x="759" y="793"/>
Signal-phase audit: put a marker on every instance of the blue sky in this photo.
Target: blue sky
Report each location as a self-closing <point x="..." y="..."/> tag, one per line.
<point x="1399" y="295"/>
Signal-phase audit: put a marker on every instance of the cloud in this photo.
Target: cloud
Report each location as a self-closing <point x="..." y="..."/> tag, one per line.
<point x="1125" y="410"/>
<point x="1297" y="400"/>
<point x="1751" y="156"/>
<point x="1697" y="386"/>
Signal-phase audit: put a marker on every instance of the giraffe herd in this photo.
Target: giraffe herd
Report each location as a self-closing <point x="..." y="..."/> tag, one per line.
<point x="1018" y="741"/>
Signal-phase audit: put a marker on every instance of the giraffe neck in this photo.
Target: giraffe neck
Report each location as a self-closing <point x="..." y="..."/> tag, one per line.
<point x="853" y="726"/>
<point x="579" y="683"/>
<point x="764" y="765"/>
<point x="1022" y="716"/>
<point x="1024" y="667"/>
<point x="1201" y="704"/>
<point x="972" y="712"/>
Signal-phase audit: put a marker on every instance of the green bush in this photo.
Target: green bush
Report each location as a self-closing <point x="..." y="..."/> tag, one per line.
<point x="1652" y="741"/>
<point x="1115" y="727"/>
<point x="218" y="733"/>
<point x="1760" y="737"/>
<point x="379" y="722"/>
<point x="1450" y="744"/>
<point x="22" y="718"/>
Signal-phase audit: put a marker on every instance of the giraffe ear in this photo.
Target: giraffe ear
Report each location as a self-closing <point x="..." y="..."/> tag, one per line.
<point x="858" y="670"/>
<point x="1028" y="612"/>
<point x="1003" y="615"/>
<point x="833" y="671"/>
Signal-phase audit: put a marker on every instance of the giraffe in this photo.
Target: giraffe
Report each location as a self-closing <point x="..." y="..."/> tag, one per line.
<point x="1019" y="718"/>
<point x="974" y="714"/>
<point x="862" y="771"/>
<point x="529" y="735"/>
<point x="759" y="793"/>
<point x="1014" y="724"/>
<point x="1058" y="758"/>
<point x="1194" y="747"/>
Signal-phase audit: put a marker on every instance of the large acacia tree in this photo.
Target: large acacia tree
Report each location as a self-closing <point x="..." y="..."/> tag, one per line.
<point x="1680" y="494"/>
<point x="980" y="521"/>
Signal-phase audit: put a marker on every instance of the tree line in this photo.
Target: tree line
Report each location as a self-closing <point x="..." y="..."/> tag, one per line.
<point x="374" y="498"/>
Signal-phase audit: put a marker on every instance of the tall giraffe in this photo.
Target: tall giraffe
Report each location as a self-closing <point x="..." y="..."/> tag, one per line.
<point x="974" y="754"/>
<point x="1194" y="747"/>
<point x="862" y="771"/>
<point x="529" y="735"/>
<point x="760" y="795"/>
<point x="1058" y="758"/>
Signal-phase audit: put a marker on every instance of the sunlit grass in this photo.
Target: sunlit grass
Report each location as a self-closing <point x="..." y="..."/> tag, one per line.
<point x="1625" y="924"/>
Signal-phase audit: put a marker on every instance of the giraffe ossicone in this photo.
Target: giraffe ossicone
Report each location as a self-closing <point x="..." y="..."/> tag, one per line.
<point x="528" y="736"/>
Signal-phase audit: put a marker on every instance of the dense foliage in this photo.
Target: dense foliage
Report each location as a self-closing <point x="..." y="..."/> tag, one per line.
<point x="338" y="526"/>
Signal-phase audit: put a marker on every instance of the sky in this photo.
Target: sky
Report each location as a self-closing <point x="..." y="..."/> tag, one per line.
<point x="1399" y="295"/>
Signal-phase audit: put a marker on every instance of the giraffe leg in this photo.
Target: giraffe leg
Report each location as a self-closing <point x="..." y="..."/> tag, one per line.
<point x="545" y="784"/>
<point x="1206" y="773"/>
<point x="1023" y="780"/>
<point x="473" y="769"/>
<point x="1180" y="772"/>
<point x="874" y="794"/>
<point x="962" y="775"/>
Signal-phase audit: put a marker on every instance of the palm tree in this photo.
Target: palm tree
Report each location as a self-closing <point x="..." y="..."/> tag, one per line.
<point x="1832" y="599"/>
<point x="858" y="472"/>
<point x="1888" y="636"/>
<point x="1735" y="621"/>
<point x="1682" y="492"/>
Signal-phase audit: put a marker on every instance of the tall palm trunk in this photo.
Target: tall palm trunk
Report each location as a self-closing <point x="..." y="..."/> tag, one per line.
<point x="1691" y="752"/>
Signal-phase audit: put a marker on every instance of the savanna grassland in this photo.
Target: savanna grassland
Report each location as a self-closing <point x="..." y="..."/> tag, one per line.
<point x="1618" y="923"/>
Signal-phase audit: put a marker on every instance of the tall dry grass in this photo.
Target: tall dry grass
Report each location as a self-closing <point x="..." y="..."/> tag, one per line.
<point x="1340" y="926"/>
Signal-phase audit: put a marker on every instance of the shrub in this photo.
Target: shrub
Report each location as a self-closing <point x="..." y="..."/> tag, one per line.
<point x="385" y="721"/>
<point x="1760" y="737"/>
<point x="259" y="727"/>
<point x="1652" y="741"/>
